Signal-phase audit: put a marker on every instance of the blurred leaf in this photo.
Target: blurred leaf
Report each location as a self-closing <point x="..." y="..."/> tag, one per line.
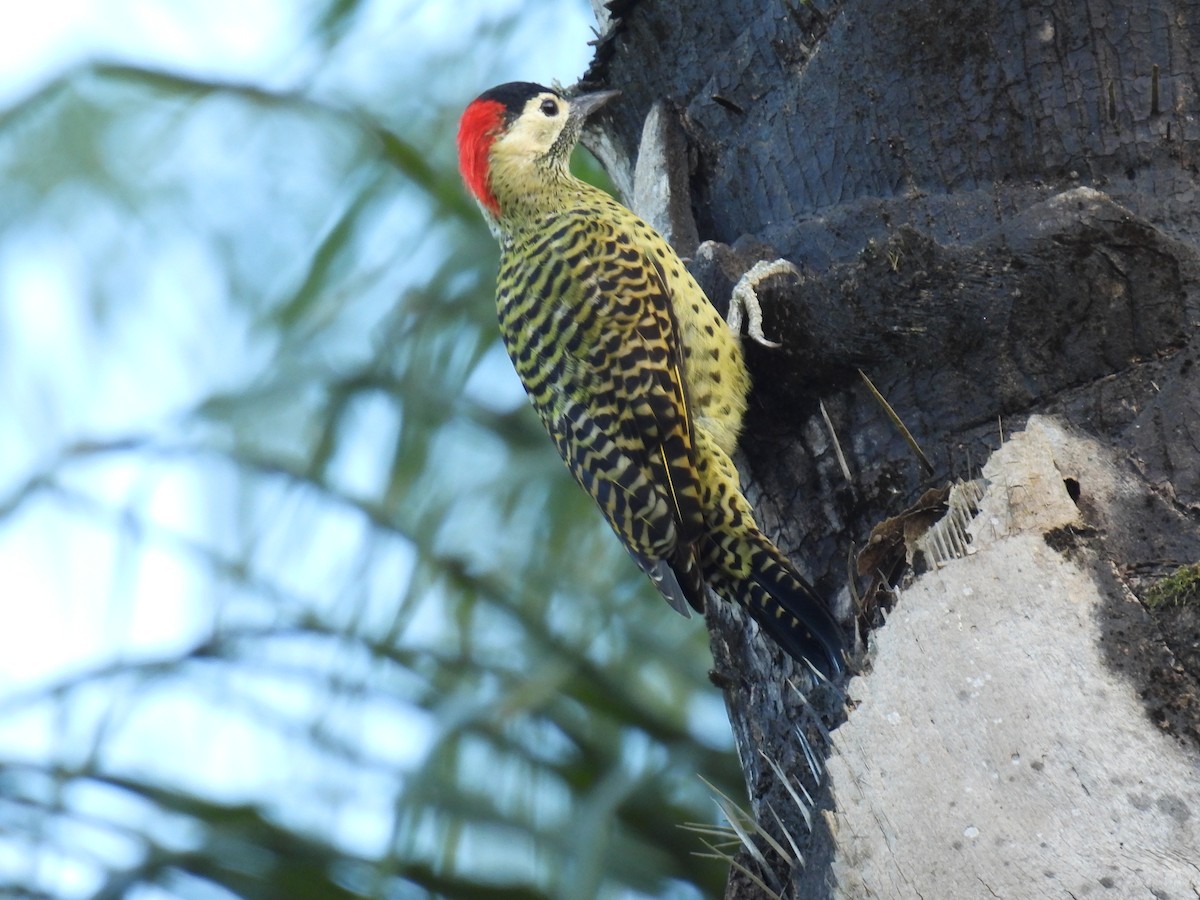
<point x="362" y="635"/>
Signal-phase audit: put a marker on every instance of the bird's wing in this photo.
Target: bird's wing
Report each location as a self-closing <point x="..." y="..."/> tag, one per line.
<point x="621" y="418"/>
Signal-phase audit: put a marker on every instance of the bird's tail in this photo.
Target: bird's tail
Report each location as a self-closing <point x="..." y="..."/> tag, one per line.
<point x="752" y="571"/>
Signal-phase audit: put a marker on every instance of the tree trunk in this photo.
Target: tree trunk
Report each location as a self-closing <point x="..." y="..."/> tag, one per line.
<point x="994" y="206"/>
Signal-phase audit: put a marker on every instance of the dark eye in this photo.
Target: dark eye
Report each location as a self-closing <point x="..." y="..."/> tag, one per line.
<point x="549" y="108"/>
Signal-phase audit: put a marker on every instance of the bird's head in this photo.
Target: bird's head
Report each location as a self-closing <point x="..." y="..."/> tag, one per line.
<point x="516" y="132"/>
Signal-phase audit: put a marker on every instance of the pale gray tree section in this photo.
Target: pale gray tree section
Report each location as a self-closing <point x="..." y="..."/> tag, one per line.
<point x="992" y="749"/>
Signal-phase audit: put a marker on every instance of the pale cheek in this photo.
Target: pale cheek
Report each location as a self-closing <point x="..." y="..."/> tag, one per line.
<point x="530" y="141"/>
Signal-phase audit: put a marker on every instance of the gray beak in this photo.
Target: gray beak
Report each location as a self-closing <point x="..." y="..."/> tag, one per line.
<point x="586" y="104"/>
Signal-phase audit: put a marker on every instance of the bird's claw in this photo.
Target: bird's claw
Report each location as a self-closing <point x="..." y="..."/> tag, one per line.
<point x="745" y="298"/>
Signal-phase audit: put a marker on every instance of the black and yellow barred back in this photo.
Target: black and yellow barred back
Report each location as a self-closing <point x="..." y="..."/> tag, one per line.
<point x="634" y="374"/>
<point x="589" y="326"/>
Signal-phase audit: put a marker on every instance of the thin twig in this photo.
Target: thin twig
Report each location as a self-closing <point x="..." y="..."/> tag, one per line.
<point x="891" y="413"/>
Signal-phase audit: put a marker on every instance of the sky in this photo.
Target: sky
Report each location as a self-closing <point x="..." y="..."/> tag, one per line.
<point x="66" y="576"/>
<point x="103" y="391"/>
<point x="223" y="37"/>
<point x="70" y="389"/>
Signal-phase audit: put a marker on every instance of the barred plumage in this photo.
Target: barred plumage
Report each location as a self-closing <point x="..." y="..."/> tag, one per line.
<point x="634" y="374"/>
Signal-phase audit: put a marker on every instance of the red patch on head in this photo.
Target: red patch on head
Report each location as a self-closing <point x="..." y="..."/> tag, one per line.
<point x="478" y="127"/>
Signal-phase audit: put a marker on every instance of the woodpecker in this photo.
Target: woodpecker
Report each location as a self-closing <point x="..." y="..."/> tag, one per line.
<point x="638" y="379"/>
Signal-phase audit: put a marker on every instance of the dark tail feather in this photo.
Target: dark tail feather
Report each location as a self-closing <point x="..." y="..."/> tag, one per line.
<point x="797" y="621"/>
<point x="788" y="609"/>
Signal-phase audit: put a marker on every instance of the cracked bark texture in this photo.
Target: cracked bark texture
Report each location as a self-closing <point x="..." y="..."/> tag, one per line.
<point x="995" y="208"/>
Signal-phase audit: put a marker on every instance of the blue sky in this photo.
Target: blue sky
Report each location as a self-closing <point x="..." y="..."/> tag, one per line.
<point x="68" y="389"/>
<point x="80" y="592"/>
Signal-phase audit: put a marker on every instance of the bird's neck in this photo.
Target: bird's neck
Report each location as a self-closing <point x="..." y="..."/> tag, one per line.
<point x="526" y="196"/>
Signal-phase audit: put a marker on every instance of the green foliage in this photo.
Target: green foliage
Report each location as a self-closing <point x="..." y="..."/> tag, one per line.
<point x="351" y="630"/>
<point x="1180" y="588"/>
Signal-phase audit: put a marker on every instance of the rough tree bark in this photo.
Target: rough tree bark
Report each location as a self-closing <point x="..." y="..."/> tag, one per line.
<point x="995" y="208"/>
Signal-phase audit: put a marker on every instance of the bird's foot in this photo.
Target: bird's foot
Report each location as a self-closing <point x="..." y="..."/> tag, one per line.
<point x="745" y="298"/>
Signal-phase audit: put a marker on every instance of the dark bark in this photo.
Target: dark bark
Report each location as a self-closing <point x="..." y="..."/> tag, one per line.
<point x="995" y="207"/>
